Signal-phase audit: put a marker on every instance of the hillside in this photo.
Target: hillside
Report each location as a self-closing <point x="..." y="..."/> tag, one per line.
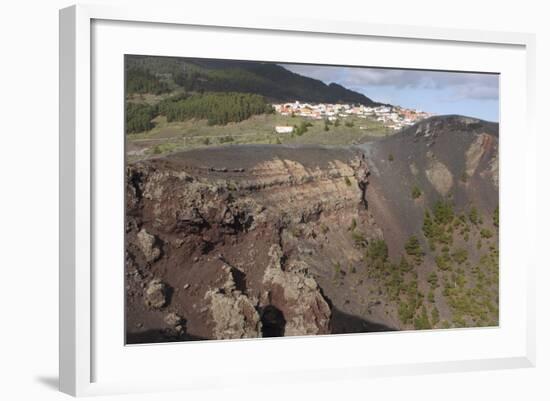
<point x="438" y="181"/>
<point x="259" y="240"/>
<point x="446" y="157"/>
<point x="208" y="75"/>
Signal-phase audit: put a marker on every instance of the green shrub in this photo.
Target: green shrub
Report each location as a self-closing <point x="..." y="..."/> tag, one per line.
<point x="163" y="148"/>
<point x="226" y="139"/>
<point x="435" y="315"/>
<point x="442" y="261"/>
<point x="460" y="256"/>
<point x="422" y="322"/>
<point x="473" y="215"/>
<point x="416" y="192"/>
<point x="404" y="266"/>
<point x="377" y="251"/>
<point x="405" y="312"/>
<point x="302" y="128"/>
<point x="438" y="229"/>
<point x="428" y="226"/>
<point x="432" y="279"/>
<point x="443" y="212"/>
<point x="413" y="248"/>
<point x="485" y="233"/>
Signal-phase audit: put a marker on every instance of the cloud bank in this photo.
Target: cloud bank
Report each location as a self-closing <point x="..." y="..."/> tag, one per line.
<point x="454" y="86"/>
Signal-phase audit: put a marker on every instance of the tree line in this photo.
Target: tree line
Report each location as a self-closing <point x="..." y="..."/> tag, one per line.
<point x="142" y="81"/>
<point x="216" y="108"/>
<point x="139" y="117"/>
<point x="266" y="79"/>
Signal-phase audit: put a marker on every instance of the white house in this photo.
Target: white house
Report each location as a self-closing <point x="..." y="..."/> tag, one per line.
<point x="284" y="129"/>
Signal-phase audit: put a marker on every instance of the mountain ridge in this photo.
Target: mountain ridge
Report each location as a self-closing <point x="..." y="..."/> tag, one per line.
<point x="270" y="80"/>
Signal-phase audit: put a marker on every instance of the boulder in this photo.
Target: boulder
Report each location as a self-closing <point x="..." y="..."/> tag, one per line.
<point x="172" y="319"/>
<point x="233" y="313"/>
<point x="156" y="294"/>
<point x="147" y="244"/>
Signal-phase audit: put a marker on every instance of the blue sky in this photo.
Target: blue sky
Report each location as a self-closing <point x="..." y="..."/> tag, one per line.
<point x="440" y="92"/>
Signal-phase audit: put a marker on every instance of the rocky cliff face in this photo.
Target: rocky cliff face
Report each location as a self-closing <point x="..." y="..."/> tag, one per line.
<point x="241" y="241"/>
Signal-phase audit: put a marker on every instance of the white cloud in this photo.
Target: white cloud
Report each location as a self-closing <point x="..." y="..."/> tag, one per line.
<point x="456" y="85"/>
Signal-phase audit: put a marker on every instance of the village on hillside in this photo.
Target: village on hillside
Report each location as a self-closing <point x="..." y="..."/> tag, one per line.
<point x="393" y="117"/>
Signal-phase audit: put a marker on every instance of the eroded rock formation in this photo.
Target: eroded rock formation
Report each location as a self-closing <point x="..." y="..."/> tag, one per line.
<point x="244" y="243"/>
<point x="296" y="294"/>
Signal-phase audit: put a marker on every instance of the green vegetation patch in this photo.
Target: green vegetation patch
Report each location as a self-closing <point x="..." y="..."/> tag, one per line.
<point x="460" y="256"/>
<point x="473" y="215"/>
<point x="416" y="192"/>
<point x="301" y="129"/>
<point x="470" y="289"/>
<point x="485" y="233"/>
<point x="163" y="148"/>
<point x="422" y="322"/>
<point x="142" y="81"/>
<point x="216" y="108"/>
<point x="443" y="212"/>
<point x="413" y="248"/>
<point x="139" y="117"/>
<point x="377" y="252"/>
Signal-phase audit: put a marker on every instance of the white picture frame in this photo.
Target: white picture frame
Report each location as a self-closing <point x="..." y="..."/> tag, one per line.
<point x="82" y="343"/>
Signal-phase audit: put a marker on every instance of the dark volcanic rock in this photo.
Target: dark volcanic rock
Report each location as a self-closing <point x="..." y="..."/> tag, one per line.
<point x="276" y="217"/>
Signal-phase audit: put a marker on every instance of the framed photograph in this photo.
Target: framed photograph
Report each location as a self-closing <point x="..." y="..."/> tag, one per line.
<point x="305" y="199"/>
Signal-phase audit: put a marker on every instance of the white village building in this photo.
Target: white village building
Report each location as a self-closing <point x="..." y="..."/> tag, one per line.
<point x="284" y="129"/>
